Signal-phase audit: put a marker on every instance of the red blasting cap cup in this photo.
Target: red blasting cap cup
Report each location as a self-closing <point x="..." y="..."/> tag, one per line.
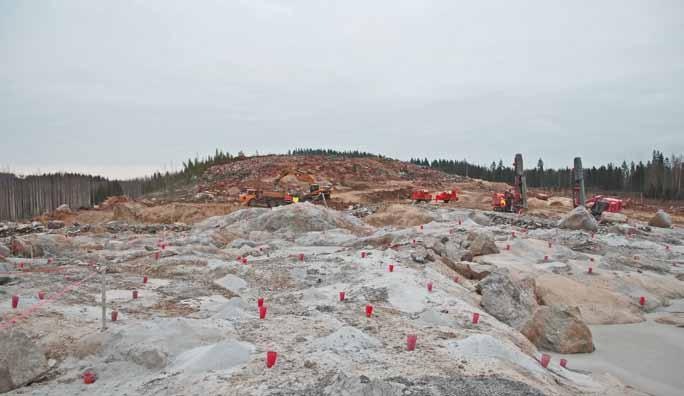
<point x="411" y="340"/>
<point x="545" y="359"/>
<point x="271" y="358"/>
<point x="369" y="310"/>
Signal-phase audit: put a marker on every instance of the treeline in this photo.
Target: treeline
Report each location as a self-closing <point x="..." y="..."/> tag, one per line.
<point x="660" y="177"/>
<point x="330" y="152"/>
<point x="26" y="197"/>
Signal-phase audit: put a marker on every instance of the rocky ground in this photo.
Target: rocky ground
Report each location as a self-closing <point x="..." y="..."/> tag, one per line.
<point x="195" y="327"/>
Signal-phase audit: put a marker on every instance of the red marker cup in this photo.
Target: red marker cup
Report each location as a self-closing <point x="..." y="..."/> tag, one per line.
<point x="271" y="358"/>
<point x="244" y="260"/>
<point x="145" y="279"/>
<point x="667" y="247"/>
<point x="363" y="254"/>
<point x="391" y="268"/>
<point x="262" y="312"/>
<point x="591" y="259"/>
<point x="369" y="310"/>
<point x="341" y="296"/>
<point x="157" y="255"/>
<point x="301" y="256"/>
<point x="135" y="294"/>
<point x="239" y="258"/>
<point x="563" y="363"/>
<point x="476" y="317"/>
<point x="546" y="258"/>
<point x="590" y="271"/>
<point x="413" y="242"/>
<point x="163" y="246"/>
<point x="508" y="247"/>
<point x="15" y="301"/>
<point x="513" y="234"/>
<point x="260" y="302"/>
<point x="642" y="301"/>
<point x="421" y="226"/>
<point x="115" y="316"/>
<point x="429" y="286"/>
<point x="545" y="359"/>
<point x="89" y="378"/>
<point x="456" y="279"/>
<point x="41" y="295"/>
<point x="50" y="260"/>
<point x="459" y="222"/>
<point x="411" y="340"/>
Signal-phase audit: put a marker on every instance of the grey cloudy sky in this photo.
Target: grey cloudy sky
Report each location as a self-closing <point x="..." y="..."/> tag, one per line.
<point x="127" y="87"/>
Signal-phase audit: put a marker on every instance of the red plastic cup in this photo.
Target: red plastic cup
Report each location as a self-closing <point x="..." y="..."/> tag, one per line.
<point x="456" y="279"/>
<point x="429" y="286"/>
<point x="369" y="310"/>
<point x="115" y="316"/>
<point x="391" y="268"/>
<point x="545" y="359"/>
<point x="563" y="363"/>
<point x="546" y="258"/>
<point x="590" y="270"/>
<point x="50" y="260"/>
<point x="244" y="260"/>
<point x="508" y="247"/>
<point x="163" y="246"/>
<point x="135" y="294"/>
<point x="459" y="222"/>
<point x="642" y="301"/>
<point x="21" y="265"/>
<point x="411" y="340"/>
<point x="301" y="256"/>
<point x="260" y="302"/>
<point x="262" y="312"/>
<point x="15" y="301"/>
<point x="513" y="234"/>
<point x="145" y="279"/>
<point x="341" y="296"/>
<point x="239" y="258"/>
<point x="667" y="247"/>
<point x="41" y="295"/>
<point x="89" y="378"/>
<point x="476" y="317"/>
<point x="271" y="358"/>
<point x="421" y="226"/>
<point x="413" y="242"/>
<point x="591" y="259"/>
<point x="363" y="254"/>
<point x="157" y="255"/>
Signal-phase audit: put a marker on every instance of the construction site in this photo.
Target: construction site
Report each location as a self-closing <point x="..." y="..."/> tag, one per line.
<point x="301" y="275"/>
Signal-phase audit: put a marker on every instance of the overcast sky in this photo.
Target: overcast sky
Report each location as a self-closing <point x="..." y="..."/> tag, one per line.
<point x="127" y="87"/>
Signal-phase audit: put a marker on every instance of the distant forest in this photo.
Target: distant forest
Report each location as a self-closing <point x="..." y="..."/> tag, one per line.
<point x="659" y="178"/>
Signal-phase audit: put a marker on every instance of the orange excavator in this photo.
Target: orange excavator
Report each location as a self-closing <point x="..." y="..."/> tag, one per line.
<point x="264" y="199"/>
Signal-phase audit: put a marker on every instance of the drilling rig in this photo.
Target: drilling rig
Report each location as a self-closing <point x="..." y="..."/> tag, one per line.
<point x="516" y="200"/>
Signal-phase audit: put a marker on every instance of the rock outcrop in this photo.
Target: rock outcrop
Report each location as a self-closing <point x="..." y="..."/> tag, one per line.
<point x="480" y="243"/>
<point x="20" y="360"/>
<point x="511" y="302"/>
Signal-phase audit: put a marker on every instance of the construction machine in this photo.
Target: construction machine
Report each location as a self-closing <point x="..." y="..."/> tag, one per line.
<point x="446" y="196"/>
<point x="264" y="199"/>
<point x="421" y="196"/>
<point x="513" y="200"/>
<point x="597" y="203"/>
<point x="317" y="193"/>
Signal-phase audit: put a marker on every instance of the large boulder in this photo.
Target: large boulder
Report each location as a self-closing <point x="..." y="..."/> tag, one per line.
<point x="480" y="243"/>
<point x="21" y="361"/>
<point x="613" y="218"/>
<point x="511" y="302"/>
<point x="579" y="219"/>
<point x="559" y="328"/>
<point x="661" y="220"/>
